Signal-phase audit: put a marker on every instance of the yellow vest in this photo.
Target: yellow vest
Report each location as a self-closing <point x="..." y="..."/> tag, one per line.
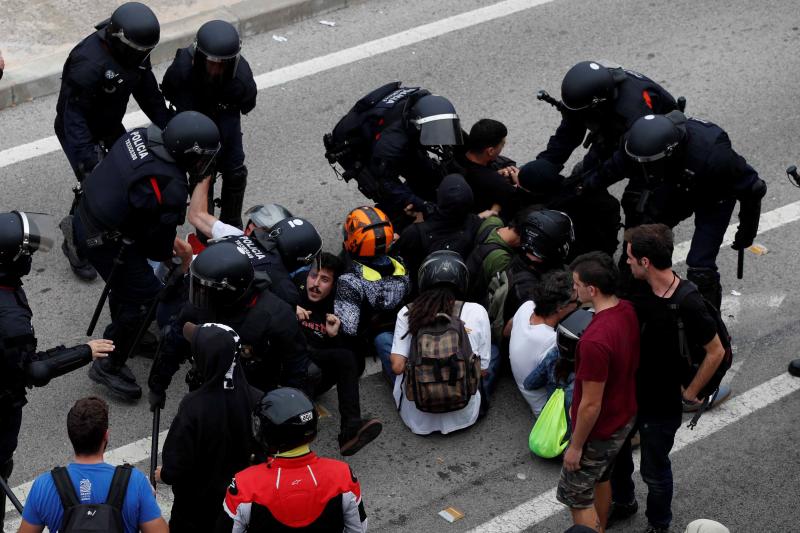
<point x="370" y="274"/>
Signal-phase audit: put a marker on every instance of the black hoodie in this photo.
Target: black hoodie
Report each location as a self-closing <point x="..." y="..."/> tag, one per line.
<point x="210" y="437"/>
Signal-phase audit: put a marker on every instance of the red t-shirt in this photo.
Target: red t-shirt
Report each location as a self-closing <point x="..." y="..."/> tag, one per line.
<point x="609" y="351"/>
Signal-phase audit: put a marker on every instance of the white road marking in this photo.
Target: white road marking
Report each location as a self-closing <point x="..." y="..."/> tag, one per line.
<point x="316" y="65"/>
<point x="545" y="505"/>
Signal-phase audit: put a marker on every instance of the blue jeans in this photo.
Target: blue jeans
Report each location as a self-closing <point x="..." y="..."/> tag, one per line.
<point x="488" y="383"/>
<point x="657" y="437"/>
<point x="383" y="346"/>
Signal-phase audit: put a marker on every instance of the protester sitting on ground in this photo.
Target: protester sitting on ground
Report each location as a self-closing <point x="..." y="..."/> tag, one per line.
<point x="451" y="226"/>
<point x="533" y="332"/>
<point x="493" y="178"/>
<point x="443" y="281"/>
<point x="340" y="366"/>
<point x="90" y="479"/>
<point x="374" y="285"/>
<point x="604" y="398"/>
<point x="209" y="439"/>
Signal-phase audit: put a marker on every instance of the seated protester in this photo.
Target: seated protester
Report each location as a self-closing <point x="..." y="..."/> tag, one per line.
<point x="595" y="213"/>
<point x="209" y="439"/>
<point x="442" y="279"/>
<point x="533" y="332"/>
<point x="90" y="479"/>
<point x="451" y="226"/>
<point x="374" y="285"/>
<point x="278" y="249"/>
<point x="493" y="178"/>
<point x="339" y="365"/>
<point x="295" y="489"/>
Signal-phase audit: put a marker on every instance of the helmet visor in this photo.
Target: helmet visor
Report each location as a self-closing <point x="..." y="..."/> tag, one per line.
<point x="440" y="130"/>
<point x="129" y="52"/>
<point x="206" y="293"/>
<point x="215" y="69"/>
<point x="38" y="232"/>
<point x="202" y="157"/>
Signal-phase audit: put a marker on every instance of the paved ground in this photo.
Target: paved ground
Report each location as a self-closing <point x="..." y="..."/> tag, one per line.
<point x="736" y="65"/>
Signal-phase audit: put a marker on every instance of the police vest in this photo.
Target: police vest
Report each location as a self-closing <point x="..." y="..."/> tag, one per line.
<point x="261" y="258"/>
<point x="107" y="190"/>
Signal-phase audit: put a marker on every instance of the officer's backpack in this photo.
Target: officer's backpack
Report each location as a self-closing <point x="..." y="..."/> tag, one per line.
<point x="92" y="517"/>
<point x="694" y="355"/>
<point x="442" y="372"/>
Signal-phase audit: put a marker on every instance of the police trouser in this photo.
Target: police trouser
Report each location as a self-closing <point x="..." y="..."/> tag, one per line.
<point x="233" y="170"/>
<point x="10" y="423"/>
<point x="134" y="286"/>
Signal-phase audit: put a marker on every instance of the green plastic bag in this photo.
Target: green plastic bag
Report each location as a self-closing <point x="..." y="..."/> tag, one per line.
<point x="547" y="437"/>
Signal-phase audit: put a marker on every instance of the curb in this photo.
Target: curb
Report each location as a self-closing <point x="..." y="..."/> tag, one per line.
<point x="42" y="76"/>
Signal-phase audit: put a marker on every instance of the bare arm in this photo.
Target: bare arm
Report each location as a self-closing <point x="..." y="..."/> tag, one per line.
<point x="398" y="363"/>
<point x="198" y="216"/>
<point x="714" y="354"/>
<point x="588" y="411"/>
<point x="26" y="527"/>
<point x="159" y="525"/>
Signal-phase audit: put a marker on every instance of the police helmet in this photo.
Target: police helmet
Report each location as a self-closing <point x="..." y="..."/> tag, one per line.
<point x="192" y="139"/>
<point x="216" y="52"/>
<point x="437" y="121"/>
<point x="221" y="275"/>
<point x="569" y="331"/>
<point x="587" y="85"/>
<point x="266" y="215"/>
<point x="21" y="234"/>
<point x="284" y="419"/>
<point x="132" y="33"/>
<point x="444" y="267"/>
<point x="547" y="234"/>
<point x="297" y="239"/>
<point x="655" y="137"/>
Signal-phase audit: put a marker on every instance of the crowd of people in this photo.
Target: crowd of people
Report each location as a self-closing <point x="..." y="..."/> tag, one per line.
<point x="457" y="274"/>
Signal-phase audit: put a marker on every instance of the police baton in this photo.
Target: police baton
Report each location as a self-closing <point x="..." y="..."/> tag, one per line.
<point x="154" y="445"/>
<point x="174" y="273"/>
<point x="104" y="295"/>
<point x="740" y="265"/>
<point x="11" y="495"/>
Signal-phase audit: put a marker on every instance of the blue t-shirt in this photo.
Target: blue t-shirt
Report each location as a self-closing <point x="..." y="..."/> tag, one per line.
<point x="92" y="483"/>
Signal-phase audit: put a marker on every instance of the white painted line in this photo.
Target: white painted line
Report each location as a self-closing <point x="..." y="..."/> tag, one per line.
<point x="545" y="505"/>
<point x="316" y="65"/>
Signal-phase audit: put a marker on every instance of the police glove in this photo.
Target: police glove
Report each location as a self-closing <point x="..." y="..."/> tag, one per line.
<point x="157" y="399"/>
<point x="749" y="215"/>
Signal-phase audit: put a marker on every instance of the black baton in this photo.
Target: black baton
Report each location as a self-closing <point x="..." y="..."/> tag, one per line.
<point x="740" y="265"/>
<point x="104" y="295"/>
<point x="154" y="445"/>
<point x="11" y="495"/>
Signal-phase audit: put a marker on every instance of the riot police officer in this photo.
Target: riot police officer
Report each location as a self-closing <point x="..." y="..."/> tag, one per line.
<point x="605" y="101"/>
<point x="224" y="288"/>
<point x="21" y="365"/>
<point x="397" y="132"/>
<point x="99" y="77"/>
<point x="678" y="167"/>
<point x="295" y="489"/>
<point x="129" y="210"/>
<point x="212" y="77"/>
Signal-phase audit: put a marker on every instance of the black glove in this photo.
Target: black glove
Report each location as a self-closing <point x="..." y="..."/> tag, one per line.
<point x="157" y="398"/>
<point x="747" y="229"/>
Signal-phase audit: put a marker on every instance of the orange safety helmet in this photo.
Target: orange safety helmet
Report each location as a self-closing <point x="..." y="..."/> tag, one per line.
<point x="367" y="232"/>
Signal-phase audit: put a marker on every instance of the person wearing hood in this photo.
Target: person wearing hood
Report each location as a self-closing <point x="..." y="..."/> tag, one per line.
<point x="451" y="226"/>
<point x="210" y="438"/>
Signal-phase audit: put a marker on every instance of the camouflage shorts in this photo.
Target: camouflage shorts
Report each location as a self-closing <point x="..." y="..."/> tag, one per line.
<point x="576" y="489"/>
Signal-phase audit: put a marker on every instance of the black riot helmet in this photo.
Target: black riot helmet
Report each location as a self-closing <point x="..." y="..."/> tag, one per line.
<point x="221" y="276"/>
<point x="437" y="121"/>
<point x="444" y="267"/>
<point x="21" y="234"/>
<point x="547" y="234"/>
<point x="587" y="85"/>
<point x="192" y="140"/>
<point x="266" y="215"/>
<point x="216" y="52"/>
<point x="297" y="239"/>
<point x="569" y="331"/>
<point x="652" y="141"/>
<point x="284" y="419"/>
<point x="132" y="32"/>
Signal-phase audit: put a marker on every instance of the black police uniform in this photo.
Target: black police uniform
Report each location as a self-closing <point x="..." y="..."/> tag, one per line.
<point x="225" y="105"/>
<point x="95" y="90"/>
<point x="265" y="257"/>
<point x="707" y="179"/>
<point x="636" y="96"/>
<point x="133" y="194"/>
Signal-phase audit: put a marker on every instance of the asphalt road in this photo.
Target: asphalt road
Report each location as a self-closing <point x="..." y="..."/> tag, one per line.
<point x="736" y="64"/>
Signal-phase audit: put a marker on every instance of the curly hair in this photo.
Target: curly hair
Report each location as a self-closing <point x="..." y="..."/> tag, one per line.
<point x="423" y="310"/>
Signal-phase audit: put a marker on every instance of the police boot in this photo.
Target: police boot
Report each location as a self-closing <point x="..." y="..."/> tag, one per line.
<point x="118" y="378"/>
<point x="80" y="266"/>
<point x="794" y="368"/>
<point x="707" y="281"/>
<point x="234" y="183"/>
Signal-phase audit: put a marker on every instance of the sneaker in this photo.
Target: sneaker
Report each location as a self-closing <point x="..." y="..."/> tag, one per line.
<point x="620" y="512"/>
<point x="654" y="529"/>
<point x="351" y="443"/>
<point x="113" y="378"/>
<point x="80" y="266"/>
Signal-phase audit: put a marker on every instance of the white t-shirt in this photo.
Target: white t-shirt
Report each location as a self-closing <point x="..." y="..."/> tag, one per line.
<point x="476" y="322"/>
<point x="527" y="348"/>
<point x="220" y="230"/>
